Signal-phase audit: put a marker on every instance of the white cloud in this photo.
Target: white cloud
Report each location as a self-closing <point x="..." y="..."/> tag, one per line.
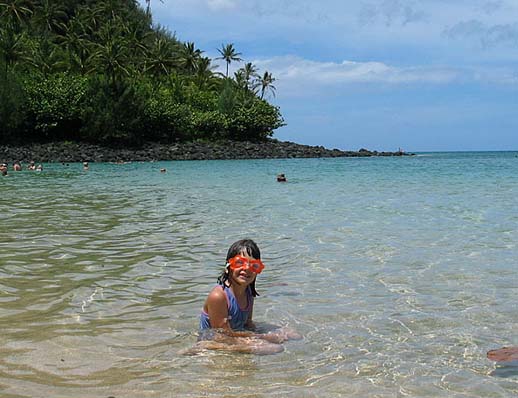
<point x="292" y="68"/>
<point x="298" y="77"/>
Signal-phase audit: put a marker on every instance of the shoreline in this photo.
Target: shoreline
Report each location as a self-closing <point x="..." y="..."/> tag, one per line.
<point x="219" y="150"/>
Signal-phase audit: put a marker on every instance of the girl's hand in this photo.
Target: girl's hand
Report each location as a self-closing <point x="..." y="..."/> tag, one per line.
<point x="271" y="337"/>
<point x="280" y="335"/>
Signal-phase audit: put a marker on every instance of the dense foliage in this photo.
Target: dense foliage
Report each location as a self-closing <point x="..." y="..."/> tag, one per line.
<point x="100" y="71"/>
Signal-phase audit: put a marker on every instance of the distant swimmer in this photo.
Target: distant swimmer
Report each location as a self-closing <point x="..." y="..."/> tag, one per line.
<point x="162" y="170"/>
<point x="17" y="166"/>
<point x="85" y="166"/>
<point x="3" y="169"/>
<point x="281" y="178"/>
<point x="39" y="167"/>
<point x="31" y="165"/>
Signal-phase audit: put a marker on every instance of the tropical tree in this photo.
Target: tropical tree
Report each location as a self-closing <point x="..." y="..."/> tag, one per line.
<point x="265" y="83"/>
<point x="148" y="7"/>
<point x="46" y="57"/>
<point x="111" y="9"/>
<point x="142" y="84"/>
<point x="239" y="77"/>
<point x="83" y="60"/>
<point x="74" y="41"/>
<point x="112" y="53"/>
<point x="112" y="57"/>
<point x="135" y="37"/>
<point x="15" y="12"/>
<point x="160" y="58"/>
<point x="13" y="109"/>
<point x="204" y="75"/>
<point x="189" y="57"/>
<point x="227" y="100"/>
<point x="249" y="75"/>
<point x="50" y="15"/>
<point x="11" y="47"/>
<point x="176" y="87"/>
<point x="229" y="54"/>
<point x="88" y="19"/>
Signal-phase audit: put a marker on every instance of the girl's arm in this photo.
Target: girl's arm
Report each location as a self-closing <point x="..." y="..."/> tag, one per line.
<point x="216" y="307"/>
<point x="249" y="323"/>
<point x="268" y="336"/>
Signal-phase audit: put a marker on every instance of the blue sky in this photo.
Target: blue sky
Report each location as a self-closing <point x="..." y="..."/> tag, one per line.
<point x="421" y="75"/>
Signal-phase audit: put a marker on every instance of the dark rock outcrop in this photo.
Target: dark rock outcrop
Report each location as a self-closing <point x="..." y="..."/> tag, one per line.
<point x="78" y="152"/>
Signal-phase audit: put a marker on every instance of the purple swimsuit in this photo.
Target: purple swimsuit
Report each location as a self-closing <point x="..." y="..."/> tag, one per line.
<point x="237" y="316"/>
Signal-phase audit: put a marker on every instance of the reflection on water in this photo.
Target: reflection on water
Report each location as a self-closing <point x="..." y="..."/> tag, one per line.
<point x="507" y="369"/>
<point x="400" y="274"/>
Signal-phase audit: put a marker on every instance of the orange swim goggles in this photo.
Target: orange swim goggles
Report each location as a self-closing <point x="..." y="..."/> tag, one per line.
<point x="238" y="262"/>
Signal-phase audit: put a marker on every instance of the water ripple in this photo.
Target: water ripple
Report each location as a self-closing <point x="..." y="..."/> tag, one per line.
<point x="400" y="274"/>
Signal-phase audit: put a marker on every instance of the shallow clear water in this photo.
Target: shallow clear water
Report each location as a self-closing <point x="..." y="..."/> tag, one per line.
<point x="399" y="272"/>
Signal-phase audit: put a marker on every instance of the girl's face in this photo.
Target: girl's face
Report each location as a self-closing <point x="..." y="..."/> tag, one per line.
<point x="242" y="276"/>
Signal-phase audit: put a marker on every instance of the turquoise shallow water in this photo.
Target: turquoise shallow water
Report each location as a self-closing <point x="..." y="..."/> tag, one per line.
<point x="399" y="272"/>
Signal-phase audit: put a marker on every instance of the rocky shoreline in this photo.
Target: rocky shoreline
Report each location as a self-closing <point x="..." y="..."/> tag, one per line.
<point x="79" y="152"/>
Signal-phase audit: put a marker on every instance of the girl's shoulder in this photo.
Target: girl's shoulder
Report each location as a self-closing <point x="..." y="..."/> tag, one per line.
<point x="217" y="294"/>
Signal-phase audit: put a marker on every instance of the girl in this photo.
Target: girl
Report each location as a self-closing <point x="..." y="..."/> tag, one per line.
<point x="226" y="318"/>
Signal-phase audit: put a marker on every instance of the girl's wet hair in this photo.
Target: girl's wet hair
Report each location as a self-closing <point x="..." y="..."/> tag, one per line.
<point x="241" y="246"/>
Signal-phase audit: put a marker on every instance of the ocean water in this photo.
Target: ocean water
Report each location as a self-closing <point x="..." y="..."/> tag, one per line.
<point x="400" y="273"/>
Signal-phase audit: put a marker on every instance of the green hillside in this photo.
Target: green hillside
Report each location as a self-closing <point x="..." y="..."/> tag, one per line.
<point x="102" y="72"/>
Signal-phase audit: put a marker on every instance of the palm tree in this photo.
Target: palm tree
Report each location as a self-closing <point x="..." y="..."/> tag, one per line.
<point x="204" y="75"/>
<point x="229" y="54"/>
<point x="15" y="11"/>
<point x="11" y="47"/>
<point x="249" y="75"/>
<point x="135" y="39"/>
<point x="50" y="14"/>
<point x="111" y="9"/>
<point x="239" y="77"/>
<point x="46" y="57"/>
<point x="83" y="60"/>
<point x="74" y="42"/>
<point x="176" y="86"/>
<point x="148" y="7"/>
<point x="89" y="18"/>
<point x="266" y="84"/>
<point x="112" y="56"/>
<point x="111" y="53"/>
<point x="160" y="58"/>
<point x="189" y="57"/>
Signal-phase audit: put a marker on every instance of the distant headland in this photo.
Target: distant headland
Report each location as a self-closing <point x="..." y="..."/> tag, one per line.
<point x="102" y="82"/>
